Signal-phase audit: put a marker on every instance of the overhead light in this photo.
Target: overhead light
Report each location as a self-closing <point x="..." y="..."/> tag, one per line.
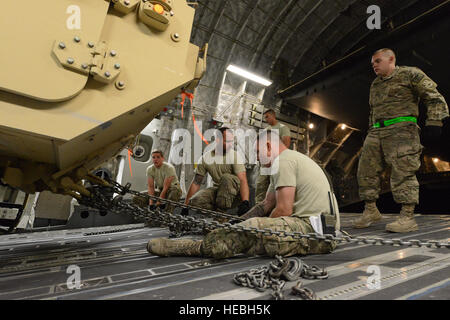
<point x="248" y="75"/>
<point x="311" y="125"/>
<point x="435" y="160"/>
<point x="343" y="126"/>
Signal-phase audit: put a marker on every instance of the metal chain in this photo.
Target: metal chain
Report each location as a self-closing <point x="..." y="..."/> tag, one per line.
<point x="115" y="230"/>
<point x="275" y="275"/>
<point x="101" y="202"/>
<point x="202" y="211"/>
<point x="303" y="292"/>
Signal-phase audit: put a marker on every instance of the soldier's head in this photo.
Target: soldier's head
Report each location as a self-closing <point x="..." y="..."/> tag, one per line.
<point x="383" y="62"/>
<point x="268" y="147"/>
<point x="225" y="138"/>
<point x="157" y="158"/>
<point x="270" y="117"/>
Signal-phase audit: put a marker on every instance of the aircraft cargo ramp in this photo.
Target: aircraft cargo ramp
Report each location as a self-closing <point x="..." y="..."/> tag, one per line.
<point x="114" y="264"/>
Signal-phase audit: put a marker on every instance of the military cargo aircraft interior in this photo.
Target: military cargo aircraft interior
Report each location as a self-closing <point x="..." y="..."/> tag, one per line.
<point x="219" y="150"/>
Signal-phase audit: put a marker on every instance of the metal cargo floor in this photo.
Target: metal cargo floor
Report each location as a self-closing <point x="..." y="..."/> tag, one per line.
<point x="114" y="264"/>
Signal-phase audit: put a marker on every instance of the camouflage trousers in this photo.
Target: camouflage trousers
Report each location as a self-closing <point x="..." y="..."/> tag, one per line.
<point x="262" y="184"/>
<point x="221" y="243"/>
<point x="398" y="148"/>
<point x="173" y="194"/>
<point x="224" y="196"/>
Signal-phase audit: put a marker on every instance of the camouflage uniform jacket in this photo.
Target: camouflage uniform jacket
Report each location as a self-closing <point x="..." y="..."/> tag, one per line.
<point x="398" y="95"/>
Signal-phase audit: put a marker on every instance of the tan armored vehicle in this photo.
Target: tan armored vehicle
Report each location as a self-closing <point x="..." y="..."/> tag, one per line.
<point x="80" y="79"/>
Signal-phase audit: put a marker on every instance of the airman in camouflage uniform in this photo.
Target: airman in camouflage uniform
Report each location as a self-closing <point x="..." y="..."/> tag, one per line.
<point x="162" y="182"/>
<point x="297" y="197"/>
<point x="393" y="137"/>
<point x="228" y="173"/>
<point x="263" y="180"/>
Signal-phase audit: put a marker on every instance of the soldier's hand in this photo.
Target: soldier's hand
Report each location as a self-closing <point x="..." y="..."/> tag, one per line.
<point x="162" y="206"/>
<point x="431" y="134"/>
<point x="184" y="211"/>
<point x="244" y="206"/>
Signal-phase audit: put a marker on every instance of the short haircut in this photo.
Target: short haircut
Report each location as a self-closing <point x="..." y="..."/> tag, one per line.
<point x="158" y="151"/>
<point x="271" y="111"/>
<point x="385" y="50"/>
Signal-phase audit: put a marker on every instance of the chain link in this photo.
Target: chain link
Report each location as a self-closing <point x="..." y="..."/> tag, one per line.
<point x="202" y="211"/>
<point x="186" y="223"/>
<point x="275" y="275"/>
<point x="303" y="292"/>
<point x="115" y="230"/>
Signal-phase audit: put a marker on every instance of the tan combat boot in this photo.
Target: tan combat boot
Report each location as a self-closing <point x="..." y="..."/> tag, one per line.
<point x="370" y="214"/>
<point x="406" y="222"/>
<point x="168" y="247"/>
